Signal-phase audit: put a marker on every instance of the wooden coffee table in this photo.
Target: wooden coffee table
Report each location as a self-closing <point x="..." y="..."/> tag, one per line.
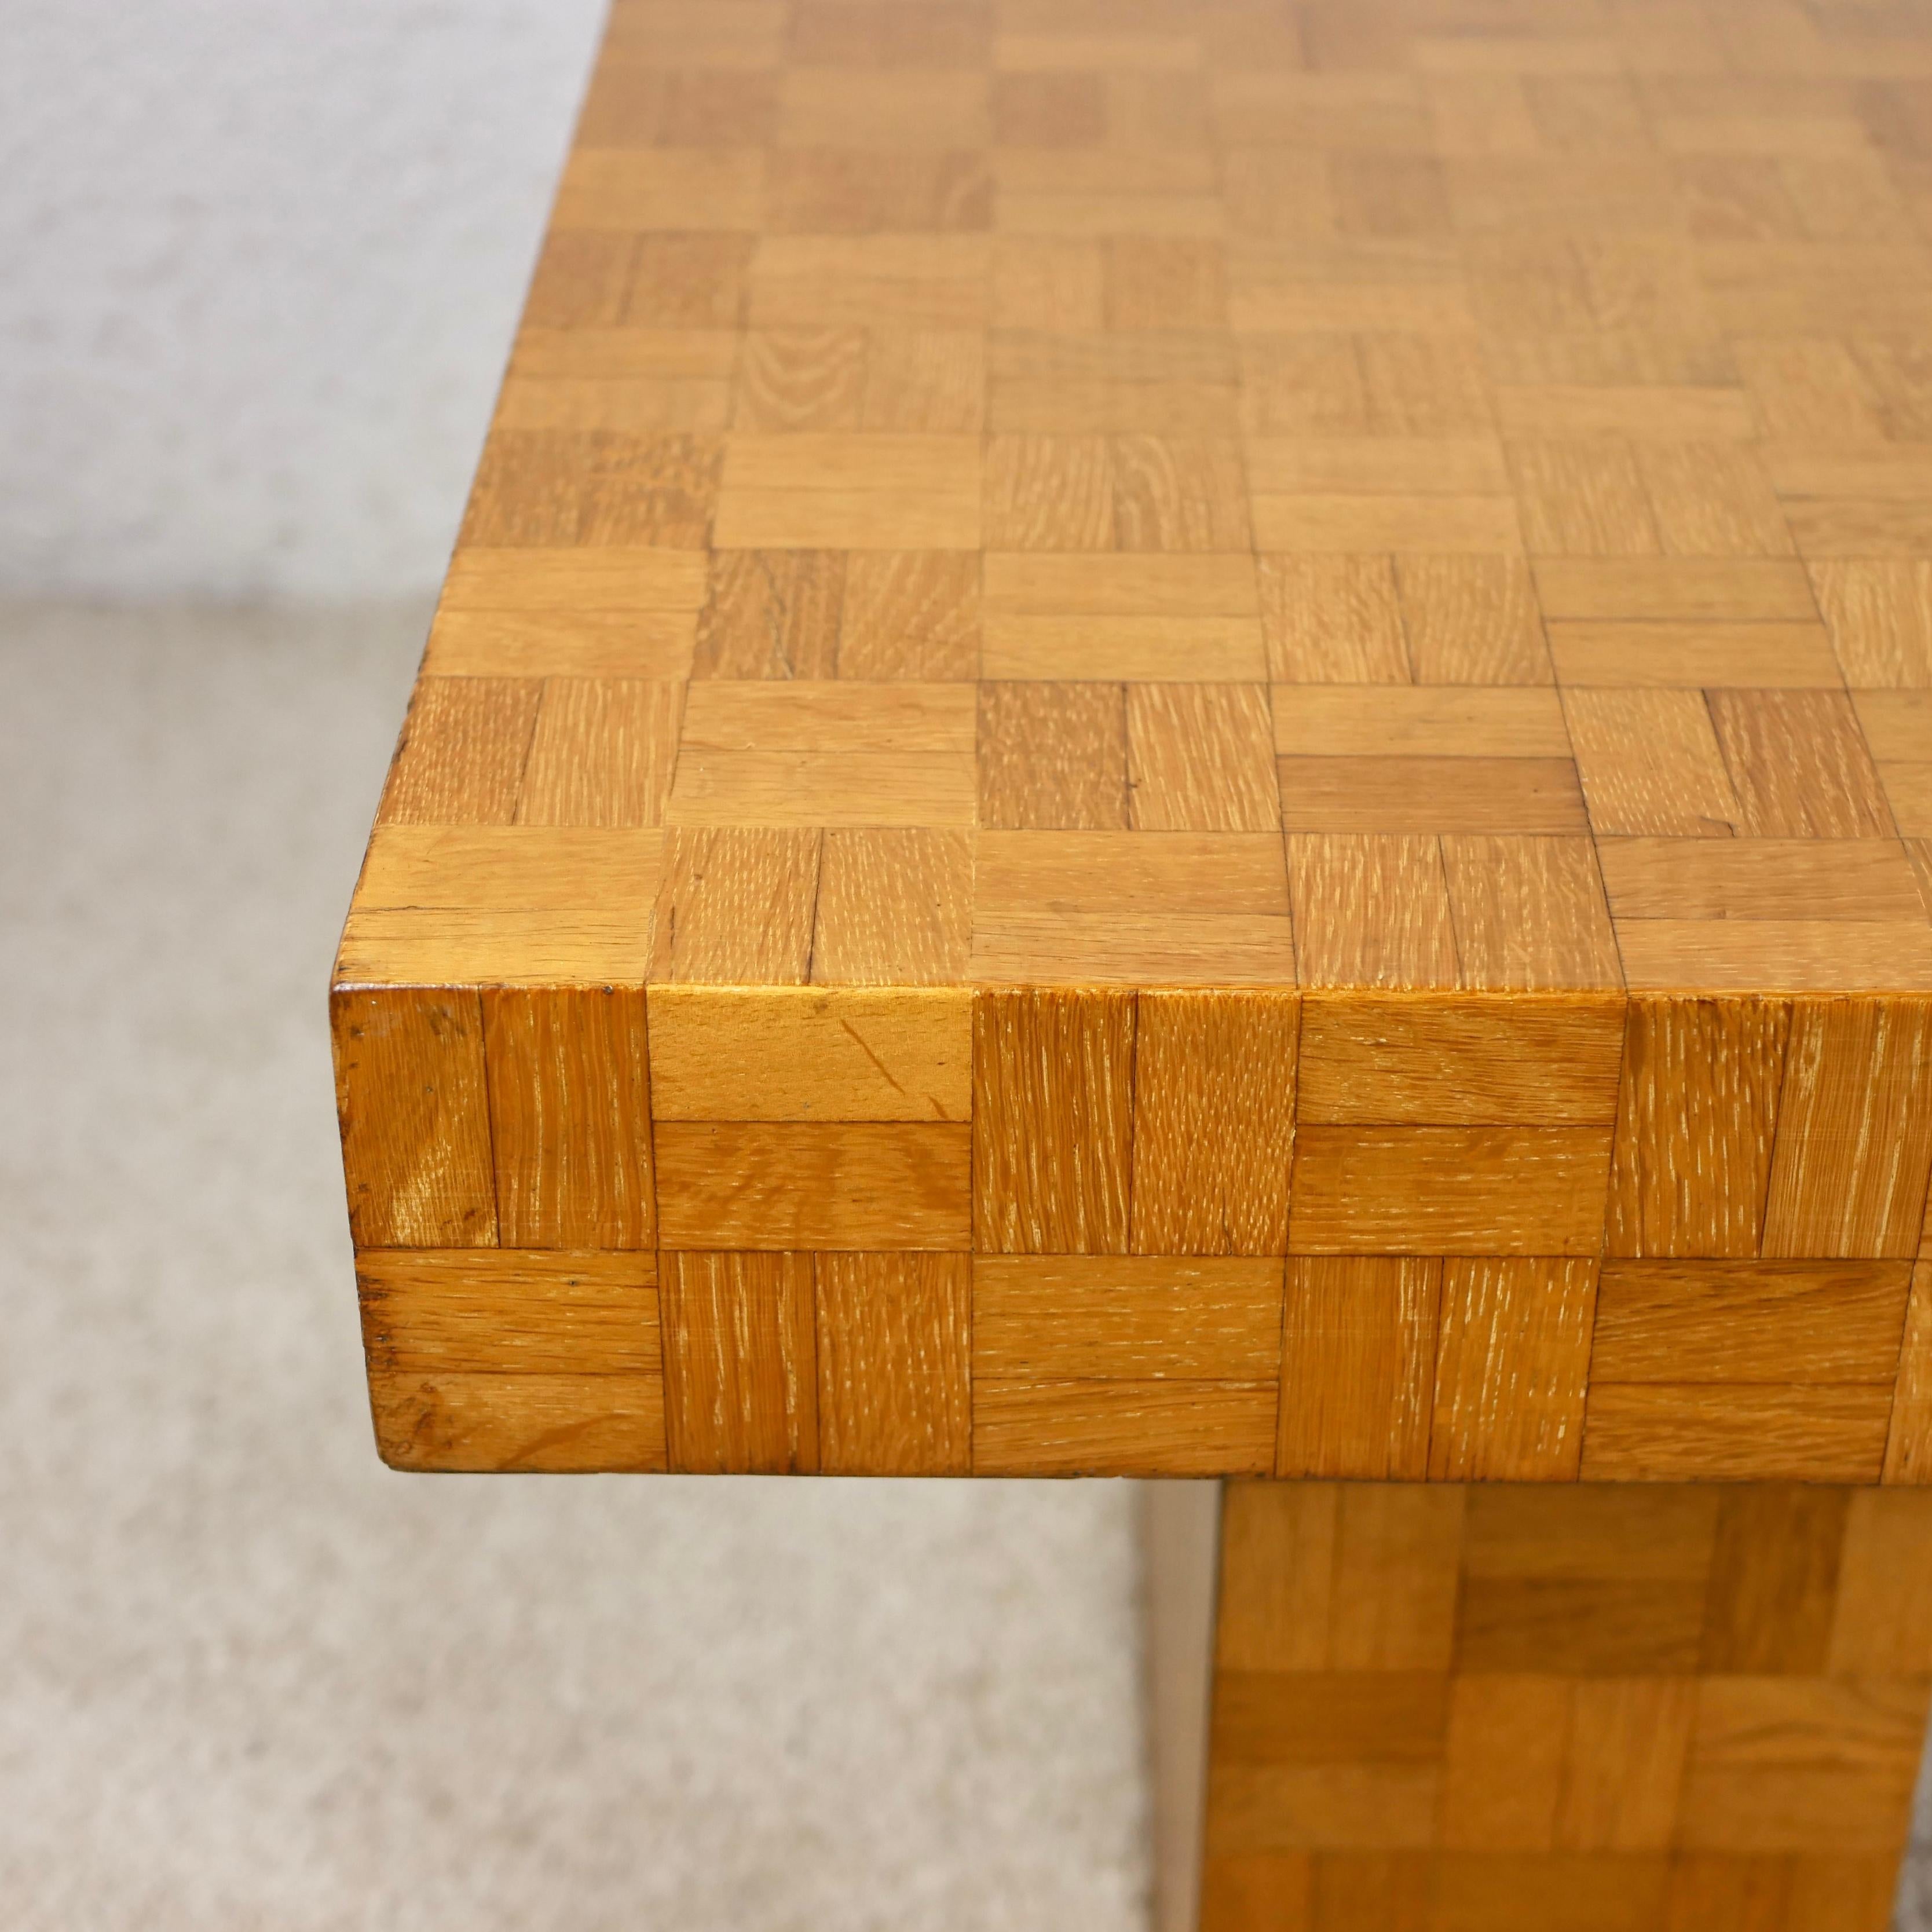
<point x="1196" y="740"/>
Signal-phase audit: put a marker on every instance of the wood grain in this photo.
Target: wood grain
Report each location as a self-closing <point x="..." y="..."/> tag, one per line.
<point x="1449" y="1060"/>
<point x="740" y="1375"/>
<point x="1512" y="1363"/>
<point x="460" y="759"/>
<point x="410" y="1096"/>
<point x="1448" y="1189"/>
<point x="519" y="1424"/>
<point x="601" y="753"/>
<point x="570" y="1117"/>
<point x="895" y="907"/>
<point x="1650" y="764"/>
<point x="764" y="1185"/>
<point x="1358" y="1366"/>
<point x="1660" y="1432"/>
<point x="1701" y="1082"/>
<point x="735" y="907"/>
<point x="1214" y="1108"/>
<point x="811" y="1054"/>
<point x="429" y="1311"/>
<point x="773" y="614"/>
<point x="1908" y="1449"/>
<point x="1530" y="914"/>
<point x="1626" y="1689"/>
<point x="1052" y="1122"/>
<point x="910" y="614"/>
<point x="1198" y="758"/>
<point x="1089" y="1317"/>
<point x="1750" y="1322"/>
<point x="1333" y="620"/>
<point x="1053" y="757"/>
<point x="500" y="868"/>
<point x="1137" y="642"/>
<point x="1371" y="911"/>
<point x="1848" y="1174"/>
<point x="894" y="1364"/>
<point x="1122" y="1428"/>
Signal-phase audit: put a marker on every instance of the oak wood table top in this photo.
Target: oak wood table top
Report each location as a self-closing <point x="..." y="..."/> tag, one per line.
<point x="1187" y="738"/>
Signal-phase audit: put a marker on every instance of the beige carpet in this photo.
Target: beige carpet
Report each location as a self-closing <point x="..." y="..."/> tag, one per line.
<point x="248" y="1679"/>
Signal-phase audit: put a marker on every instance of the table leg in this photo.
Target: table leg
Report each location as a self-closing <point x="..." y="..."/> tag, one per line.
<point x="1608" y="1708"/>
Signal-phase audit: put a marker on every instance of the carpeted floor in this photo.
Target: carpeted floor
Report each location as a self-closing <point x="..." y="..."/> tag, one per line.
<point x="248" y="1679"/>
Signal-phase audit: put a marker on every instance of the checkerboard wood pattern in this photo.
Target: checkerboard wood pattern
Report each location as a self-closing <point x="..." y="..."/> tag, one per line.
<point x="1657" y="1708"/>
<point x="1181" y="736"/>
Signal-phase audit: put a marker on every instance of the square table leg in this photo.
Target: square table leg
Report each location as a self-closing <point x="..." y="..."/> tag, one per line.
<point x="1614" y="1708"/>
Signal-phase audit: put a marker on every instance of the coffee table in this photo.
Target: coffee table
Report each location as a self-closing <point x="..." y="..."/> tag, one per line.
<point x="1195" y="741"/>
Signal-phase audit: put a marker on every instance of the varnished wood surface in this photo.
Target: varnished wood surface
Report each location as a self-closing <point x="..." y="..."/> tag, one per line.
<point x="1188" y="737"/>
<point x="1475" y="1708"/>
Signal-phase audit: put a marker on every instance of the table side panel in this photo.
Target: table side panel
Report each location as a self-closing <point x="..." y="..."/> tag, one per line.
<point x="1472" y="1296"/>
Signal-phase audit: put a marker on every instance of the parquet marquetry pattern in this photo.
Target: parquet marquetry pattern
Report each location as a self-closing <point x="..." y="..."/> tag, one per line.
<point x="1195" y="736"/>
<point x="1183" y="737"/>
<point x="1476" y="1709"/>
